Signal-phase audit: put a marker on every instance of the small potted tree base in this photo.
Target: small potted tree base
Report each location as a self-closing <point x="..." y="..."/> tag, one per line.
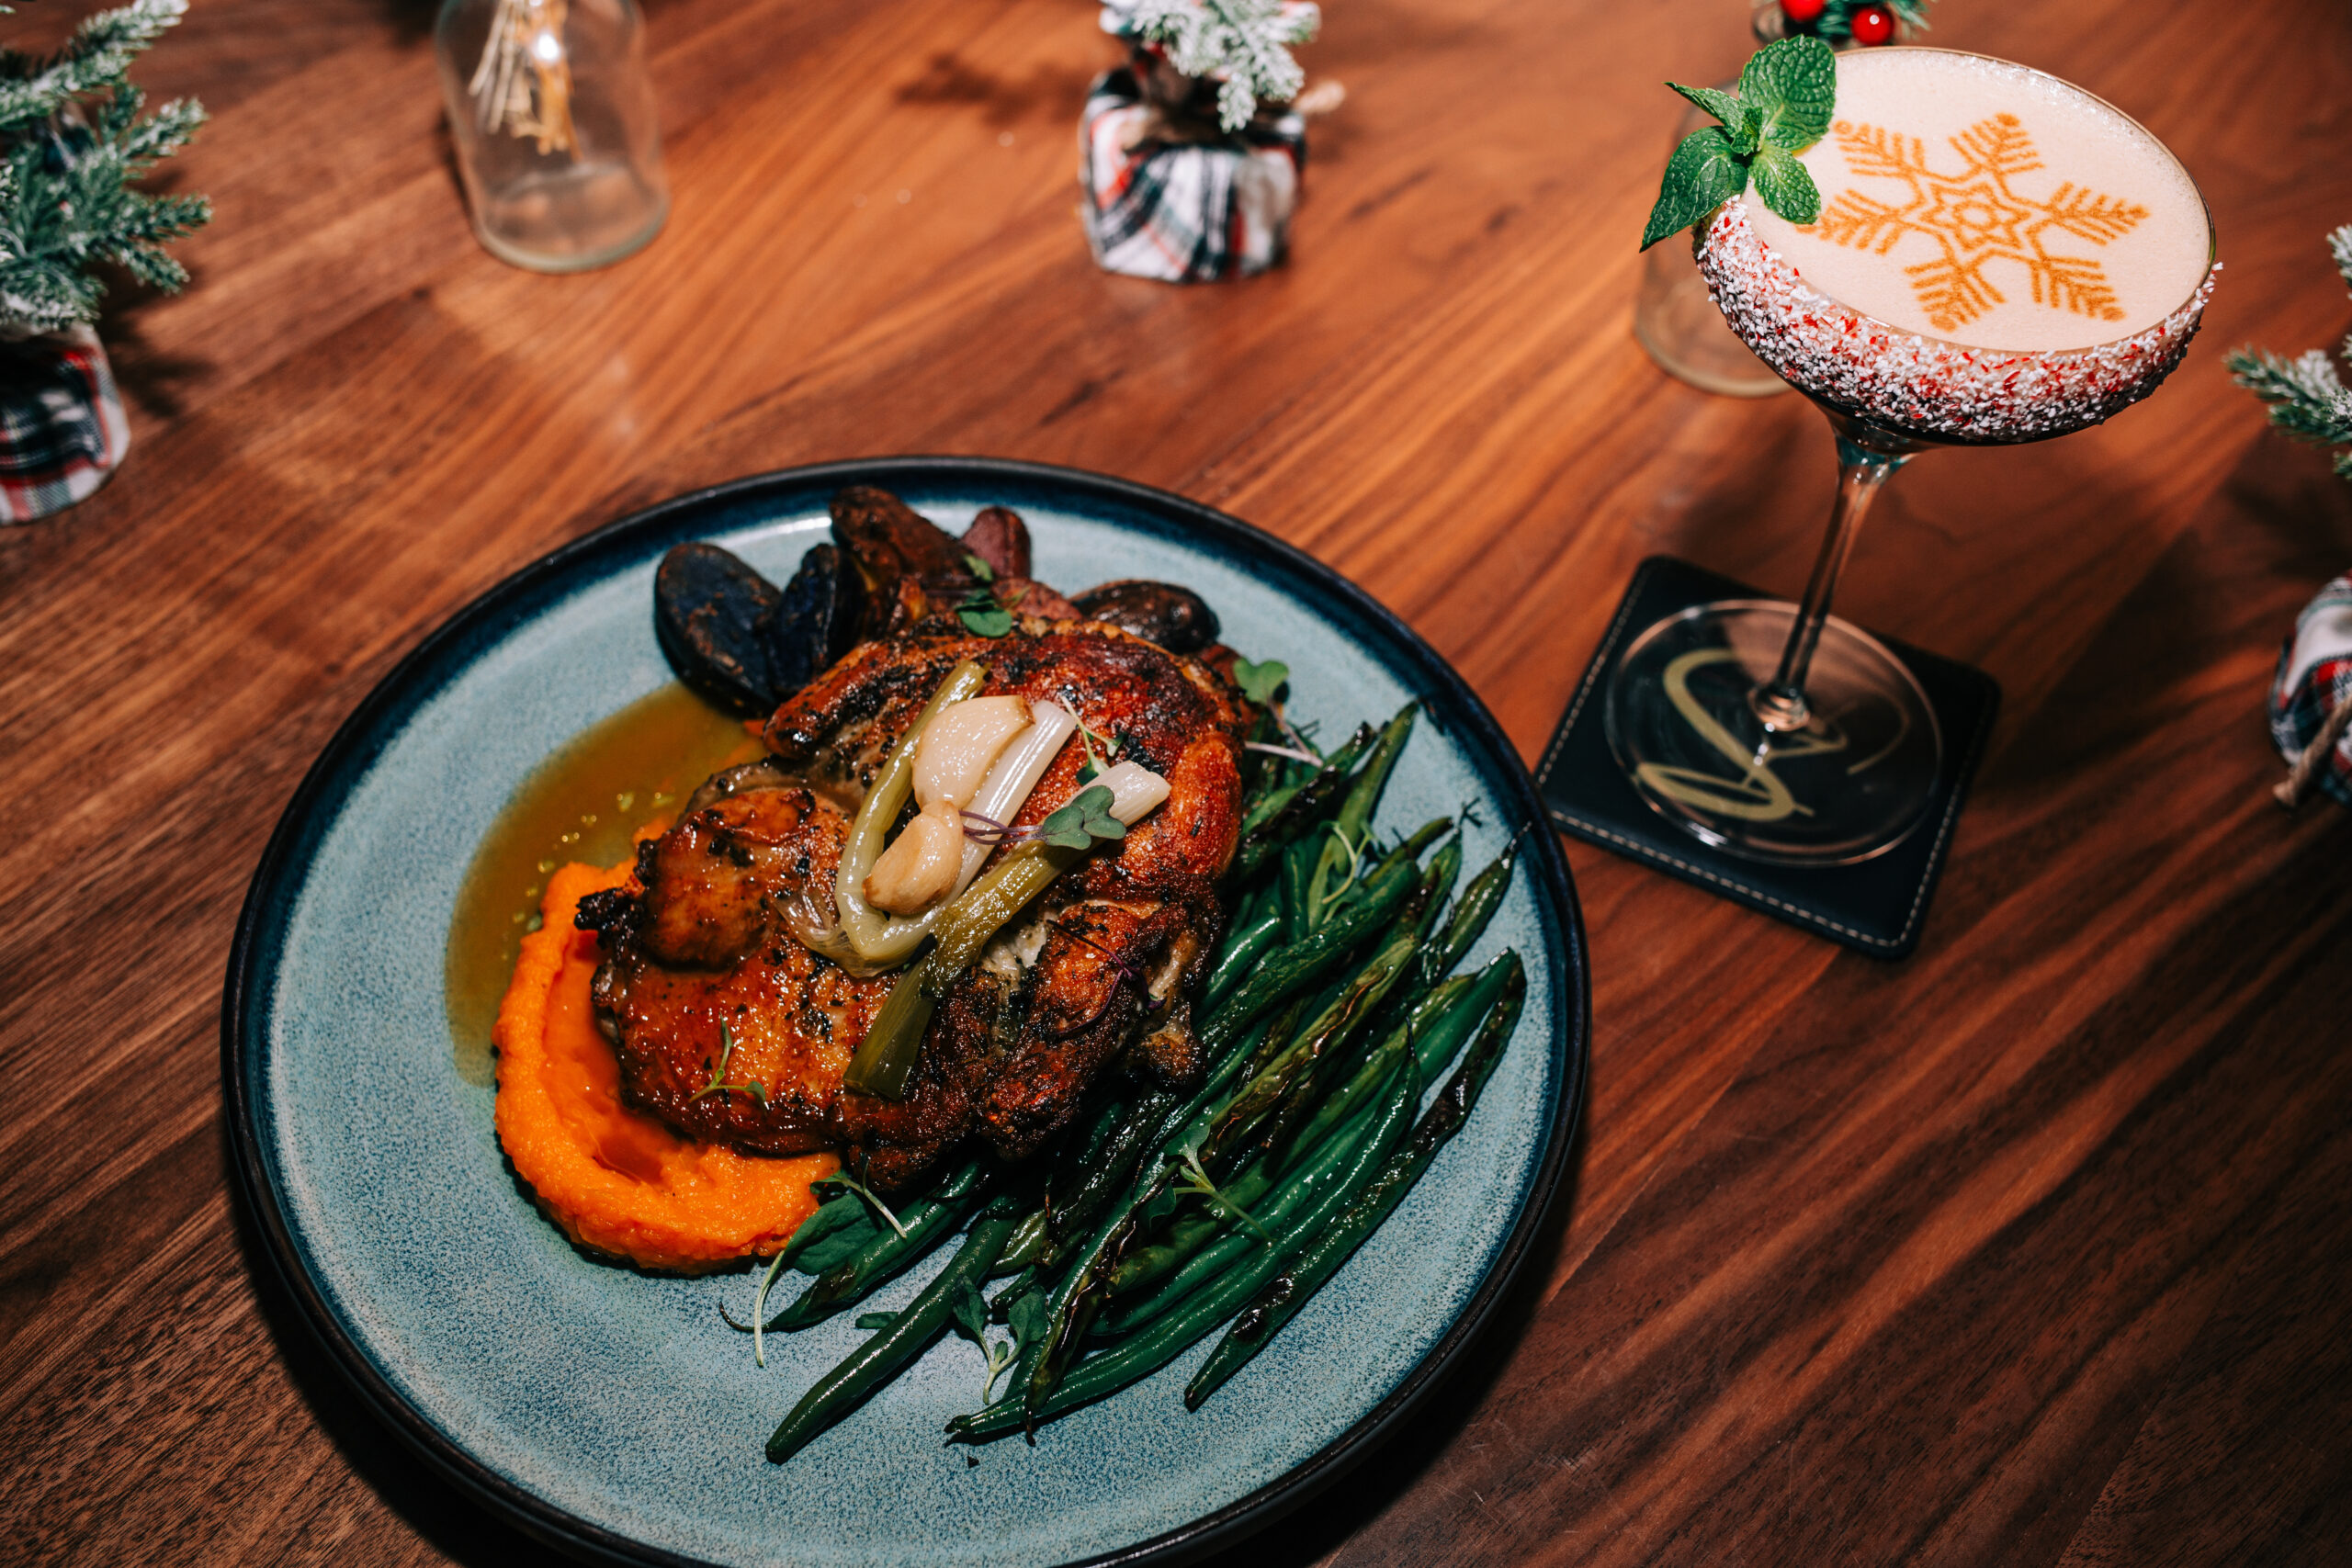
<point x="1190" y="154"/>
<point x="73" y="141"/>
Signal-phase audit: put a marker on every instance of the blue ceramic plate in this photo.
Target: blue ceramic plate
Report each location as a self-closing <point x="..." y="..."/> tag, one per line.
<point x="613" y="1413"/>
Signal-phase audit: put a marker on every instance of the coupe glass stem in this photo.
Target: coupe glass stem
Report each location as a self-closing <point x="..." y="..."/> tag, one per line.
<point x="1862" y="470"/>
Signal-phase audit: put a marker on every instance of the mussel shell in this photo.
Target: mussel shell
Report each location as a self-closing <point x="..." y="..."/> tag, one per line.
<point x="1175" y="618"/>
<point x="716" y="620"/>
<point x="740" y="642"/>
<point x="822" y="618"/>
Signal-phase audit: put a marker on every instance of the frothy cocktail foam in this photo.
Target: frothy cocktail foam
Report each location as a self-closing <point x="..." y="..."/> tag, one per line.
<point x="1988" y="204"/>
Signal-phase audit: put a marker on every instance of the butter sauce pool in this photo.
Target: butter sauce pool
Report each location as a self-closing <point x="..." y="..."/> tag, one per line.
<point x="584" y="803"/>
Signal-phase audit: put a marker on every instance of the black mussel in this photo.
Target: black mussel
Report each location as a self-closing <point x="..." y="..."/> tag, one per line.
<point x="740" y="642"/>
<point x="823" y="615"/>
<point x="1176" y="619"/>
<point x="717" y="621"/>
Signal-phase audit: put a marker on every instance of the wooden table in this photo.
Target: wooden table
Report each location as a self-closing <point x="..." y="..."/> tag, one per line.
<point x="2019" y="1251"/>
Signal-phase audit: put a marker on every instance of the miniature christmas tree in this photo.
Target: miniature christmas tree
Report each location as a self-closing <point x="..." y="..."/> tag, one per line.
<point x="73" y="142"/>
<point x="1241" y="45"/>
<point x="2310" y="698"/>
<point x="1192" y="149"/>
<point x="2308" y="399"/>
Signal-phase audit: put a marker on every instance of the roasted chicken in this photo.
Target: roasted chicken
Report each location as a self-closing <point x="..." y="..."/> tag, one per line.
<point x="732" y="1021"/>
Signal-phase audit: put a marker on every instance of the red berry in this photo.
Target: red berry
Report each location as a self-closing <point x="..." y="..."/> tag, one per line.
<point x="1873" y="25"/>
<point x="1802" y="13"/>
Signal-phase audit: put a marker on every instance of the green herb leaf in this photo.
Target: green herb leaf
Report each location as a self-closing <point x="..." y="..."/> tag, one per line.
<point x="1002" y="1354"/>
<point x="979" y="568"/>
<point x="1196" y="1179"/>
<point x="848" y="1183"/>
<point x="1028" y="1318"/>
<point x="719" y="1084"/>
<point x="1748" y="131"/>
<point x="1261" y="681"/>
<point x="875" y="1321"/>
<point x="1785" y="186"/>
<point x="1787" y="96"/>
<point x="1793" y="83"/>
<point x="820" y="1255"/>
<point x="983" y="616"/>
<point x="972" y="1314"/>
<point x="1723" y="105"/>
<point x="1704" y="173"/>
<point x="1085" y="818"/>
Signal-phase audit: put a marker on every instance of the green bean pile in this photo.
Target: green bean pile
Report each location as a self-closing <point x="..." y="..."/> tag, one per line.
<point x="1162" y="1214"/>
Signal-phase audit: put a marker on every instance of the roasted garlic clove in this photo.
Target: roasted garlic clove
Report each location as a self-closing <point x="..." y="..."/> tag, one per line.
<point x="959" y="746"/>
<point x="921" y="865"/>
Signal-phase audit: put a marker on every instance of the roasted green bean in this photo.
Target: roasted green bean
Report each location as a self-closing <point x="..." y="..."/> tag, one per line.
<point x="1331" y="1246"/>
<point x="1167" y="1338"/>
<point x="925" y="1224"/>
<point x="910" y="1332"/>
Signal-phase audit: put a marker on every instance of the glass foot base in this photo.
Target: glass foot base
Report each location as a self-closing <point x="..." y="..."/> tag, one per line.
<point x="1853" y="781"/>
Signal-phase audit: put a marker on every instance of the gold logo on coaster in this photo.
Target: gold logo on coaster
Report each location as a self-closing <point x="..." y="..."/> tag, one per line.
<point x="1758" y="794"/>
<point x="1976" y="216"/>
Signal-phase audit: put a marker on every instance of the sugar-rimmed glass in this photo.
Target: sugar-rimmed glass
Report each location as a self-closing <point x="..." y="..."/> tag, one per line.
<point x="1775" y="731"/>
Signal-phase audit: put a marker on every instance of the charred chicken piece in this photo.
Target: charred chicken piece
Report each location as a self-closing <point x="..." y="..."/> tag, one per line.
<point x="1097" y="973"/>
<point x="708" y="941"/>
<point x="1110" y="954"/>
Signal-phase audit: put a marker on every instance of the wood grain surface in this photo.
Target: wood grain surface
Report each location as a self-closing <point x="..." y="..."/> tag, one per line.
<point x="2031" y="1249"/>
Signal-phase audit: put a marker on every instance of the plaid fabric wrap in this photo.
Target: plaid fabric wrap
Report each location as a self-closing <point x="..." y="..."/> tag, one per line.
<point x="62" y="428"/>
<point x="1185" y="213"/>
<point x="2314" y="675"/>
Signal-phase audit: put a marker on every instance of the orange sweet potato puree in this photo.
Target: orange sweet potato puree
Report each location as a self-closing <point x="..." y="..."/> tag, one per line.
<point x="617" y="1182"/>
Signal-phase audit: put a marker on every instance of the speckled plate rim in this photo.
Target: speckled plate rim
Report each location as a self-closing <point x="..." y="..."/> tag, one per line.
<point x="381" y="717"/>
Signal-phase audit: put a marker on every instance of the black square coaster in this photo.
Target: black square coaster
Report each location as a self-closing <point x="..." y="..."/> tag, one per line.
<point x="1875" y="907"/>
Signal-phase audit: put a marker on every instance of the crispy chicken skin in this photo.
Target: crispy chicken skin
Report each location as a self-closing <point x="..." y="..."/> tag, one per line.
<point x="1099" y="971"/>
<point x="706" y="943"/>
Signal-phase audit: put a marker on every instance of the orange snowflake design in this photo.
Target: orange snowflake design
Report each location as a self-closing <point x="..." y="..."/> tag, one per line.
<point x="1976" y="217"/>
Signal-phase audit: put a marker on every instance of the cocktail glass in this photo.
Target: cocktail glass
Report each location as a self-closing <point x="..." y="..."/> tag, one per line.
<point x="1778" y="732"/>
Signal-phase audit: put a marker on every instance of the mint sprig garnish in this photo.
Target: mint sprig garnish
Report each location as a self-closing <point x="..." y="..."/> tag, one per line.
<point x="1783" y="106"/>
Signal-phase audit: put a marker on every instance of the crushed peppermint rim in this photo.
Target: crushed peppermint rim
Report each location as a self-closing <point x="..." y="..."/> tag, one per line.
<point x="1923" y="386"/>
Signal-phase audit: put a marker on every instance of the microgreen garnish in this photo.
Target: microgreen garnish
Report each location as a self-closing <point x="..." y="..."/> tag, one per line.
<point x="1086" y="741"/>
<point x="983" y="616"/>
<point x="757" y="1324"/>
<point x="1354" y="850"/>
<point x="972" y="1317"/>
<point x="979" y="568"/>
<point x="1086" y="818"/>
<point x="1292" y="753"/>
<point x="982" y="828"/>
<point x="848" y="1183"/>
<point x="718" y="1084"/>
<point x="1196" y="1180"/>
<point x="1261" y="681"/>
<point x="1028" y="1317"/>
<point x="1781" y="108"/>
